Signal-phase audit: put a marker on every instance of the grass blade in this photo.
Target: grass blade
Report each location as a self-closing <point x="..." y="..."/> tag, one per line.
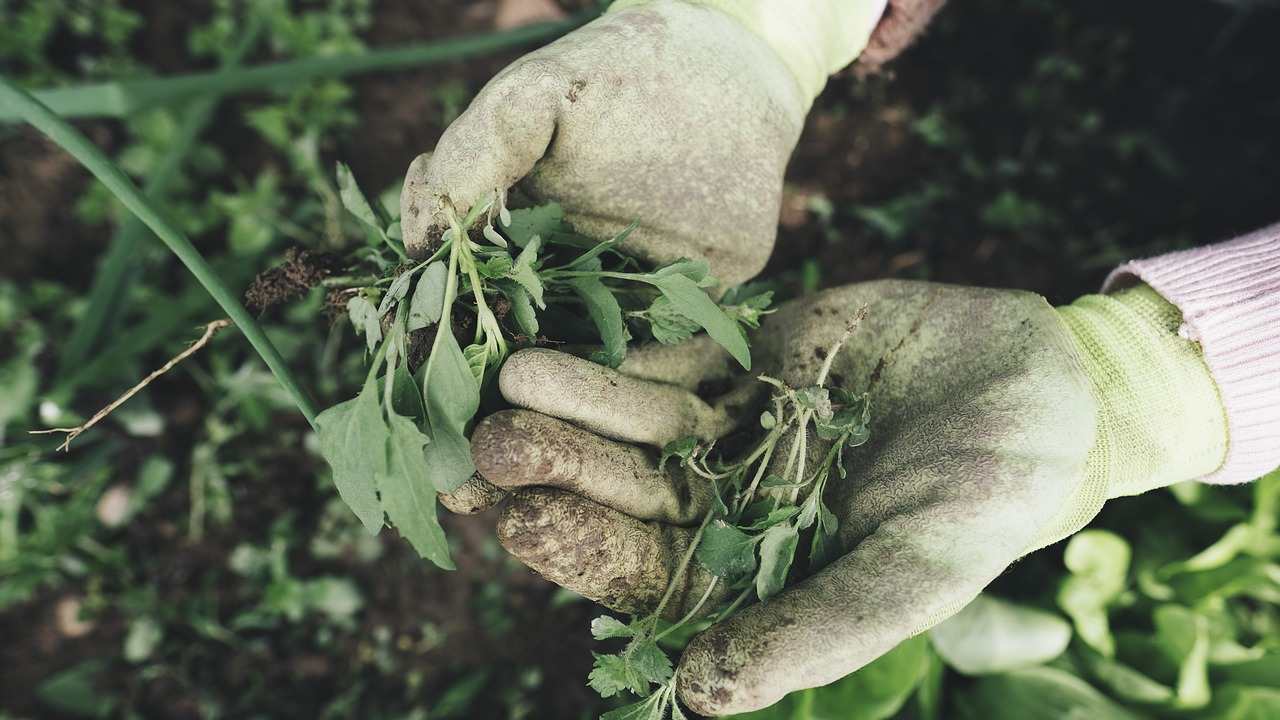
<point x="20" y="103"/>
<point x="106" y="297"/>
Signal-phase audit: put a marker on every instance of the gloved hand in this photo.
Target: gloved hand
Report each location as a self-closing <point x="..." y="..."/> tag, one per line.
<point x="678" y="114"/>
<point x="998" y="425"/>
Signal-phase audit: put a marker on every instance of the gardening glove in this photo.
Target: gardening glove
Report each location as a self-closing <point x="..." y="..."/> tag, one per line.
<point x="679" y="115"/>
<point x="998" y="425"/>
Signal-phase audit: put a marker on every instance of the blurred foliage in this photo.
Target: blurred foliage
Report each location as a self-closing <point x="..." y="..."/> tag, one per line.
<point x="187" y="560"/>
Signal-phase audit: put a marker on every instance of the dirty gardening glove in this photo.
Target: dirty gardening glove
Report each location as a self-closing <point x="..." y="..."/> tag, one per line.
<point x="676" y="114"/>
<point x="998" y="425"/>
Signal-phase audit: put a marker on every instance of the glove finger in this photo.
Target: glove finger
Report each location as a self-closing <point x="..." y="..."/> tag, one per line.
<point x="484" y="152"/>
<point x="612" y="558"/>
<point x="473" y="496"/>
<point x="914" y="571"/>
<point x="520" y="448"/>
<point x="688" y="364"/>
<point x="607" y="402"/>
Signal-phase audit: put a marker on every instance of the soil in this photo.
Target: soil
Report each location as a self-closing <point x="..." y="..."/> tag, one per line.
<point x="1187" y="153"/>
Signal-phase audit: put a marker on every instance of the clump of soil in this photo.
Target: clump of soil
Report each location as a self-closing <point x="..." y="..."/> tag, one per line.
<point x="300" y="271"/>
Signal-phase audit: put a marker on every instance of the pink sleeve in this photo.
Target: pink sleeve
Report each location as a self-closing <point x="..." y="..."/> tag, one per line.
<point x="1229" y="295"/>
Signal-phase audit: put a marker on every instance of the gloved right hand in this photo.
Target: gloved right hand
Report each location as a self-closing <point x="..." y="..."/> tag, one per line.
<point x="678" y="114"/>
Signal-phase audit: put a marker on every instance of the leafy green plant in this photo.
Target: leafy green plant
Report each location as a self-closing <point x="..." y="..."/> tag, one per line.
<point x="749" y="538"/>
<point x="494" y="274"/>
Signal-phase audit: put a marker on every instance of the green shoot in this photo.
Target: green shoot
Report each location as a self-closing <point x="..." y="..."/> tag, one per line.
<point x="497" y="280"/>
<point x="749" y="538"/>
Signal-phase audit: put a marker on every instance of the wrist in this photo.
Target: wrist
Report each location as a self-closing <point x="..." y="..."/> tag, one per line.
<point x="812" y="38"/>
<point x="1160" y="415"/>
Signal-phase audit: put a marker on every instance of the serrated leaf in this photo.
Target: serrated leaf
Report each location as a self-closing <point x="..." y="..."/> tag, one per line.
<point x="692" y="302"/>
<point x="668" y="325"/>
<point x="543" y="220"/>
<point x="353" y="439"/>
<point x="408" y="496"/>
<point x="522" y="272"/>
<point x="682" y="448"/>
<point x="648" y="661"/>
<point x="777" y="551"/>
<point x="726" y="551"/>
<point x="611" y="676"/>
<point x="606" y="627"/>
<point x="427" y="303"/>
<point x="606" y="315"/>
<point x="496" y="266"/>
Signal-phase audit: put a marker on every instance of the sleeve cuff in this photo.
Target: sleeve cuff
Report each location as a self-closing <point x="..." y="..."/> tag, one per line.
<point x="1229" y="295"/>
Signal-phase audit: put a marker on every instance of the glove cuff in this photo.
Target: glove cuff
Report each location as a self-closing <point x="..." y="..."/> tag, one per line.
<point x="1161" y="418"/>
<point x="813" y="38"/>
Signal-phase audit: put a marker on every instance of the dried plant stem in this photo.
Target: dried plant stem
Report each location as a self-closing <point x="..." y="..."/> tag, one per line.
<point x="210" y="330"/>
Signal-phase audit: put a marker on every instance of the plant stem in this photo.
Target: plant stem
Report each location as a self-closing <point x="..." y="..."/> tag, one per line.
<point x="117" y="99"/>
<point x="20" y="102"/>
<point x="684" y="564"/>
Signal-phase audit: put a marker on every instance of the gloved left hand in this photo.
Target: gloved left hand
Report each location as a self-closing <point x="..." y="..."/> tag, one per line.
<point x="998" y="425"/>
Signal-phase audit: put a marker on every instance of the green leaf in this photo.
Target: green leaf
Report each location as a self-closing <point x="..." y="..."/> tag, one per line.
<point x="682" y="448"/>
<point x="428" y="297"/>
<point x="600" y="248"/>
<point x="406" y="398"/>
<point x="353" y="440"/>
<point x="875" y="692"/>
<point x="143" y="638"/>
<point x="648" y="661"/>
<point x="524" y="273"/>
<point x="452" y="397"/>
<point x="692" y="302"/>
<point x="1123" y="681"/>
<point x="477" y="360"/>
<point x="543" y="221"/>
<point x="668" y="325"/>
<point x="79" y="691"/>
<point x="726" y="551"/>
<point x="496" y="266"/>
<point x="1184" y="636"/>
<point x="777" y="550"/>
<point x="522" y="309"/>
<point x="609" y="676"/>
<point x="991" y="635"/>
<point x="1038" y="693"/>
<point x="606" y="315"/>
<point x="695" y="270"/>
<point x="1238" y="702"/>
<point x="354" y="200"/>
<point x="407" y="494"/>
<point x="605" y="627"/>
<point x="395" y="292"/>
<point x="364" y="316"/>
<point x="1099" y="564"/>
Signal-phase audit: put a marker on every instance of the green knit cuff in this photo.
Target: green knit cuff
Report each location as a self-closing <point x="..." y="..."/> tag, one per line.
<point x="813" y="38"/>
<point x="1160" y="418"/>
